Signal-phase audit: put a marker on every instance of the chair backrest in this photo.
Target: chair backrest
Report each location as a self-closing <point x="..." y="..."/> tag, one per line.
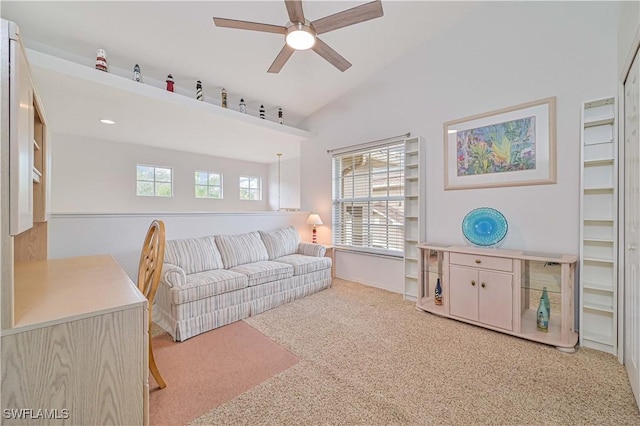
<point x="151" y="260"/>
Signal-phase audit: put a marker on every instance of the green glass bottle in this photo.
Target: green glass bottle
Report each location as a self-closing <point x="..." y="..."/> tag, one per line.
<point x="542" y="316"/>
<point x="545" y="296"/>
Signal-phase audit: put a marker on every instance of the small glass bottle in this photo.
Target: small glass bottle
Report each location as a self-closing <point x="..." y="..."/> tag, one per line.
<point x="542" y="316"/>
<point x="262" y="111"/>
<point x="280" y="120"/>
<point x="243" y="106"/>
<point x="437" y="293"/>
<point x="545" y="296"/>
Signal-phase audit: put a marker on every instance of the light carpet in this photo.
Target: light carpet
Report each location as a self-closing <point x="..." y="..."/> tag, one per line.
<point x="368" y="357"/>
<point x="209" y="369"/>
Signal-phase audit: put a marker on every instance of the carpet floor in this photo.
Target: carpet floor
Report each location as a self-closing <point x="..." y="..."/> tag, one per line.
<point x="209" y="369"/>
<point x="368" y="357"/>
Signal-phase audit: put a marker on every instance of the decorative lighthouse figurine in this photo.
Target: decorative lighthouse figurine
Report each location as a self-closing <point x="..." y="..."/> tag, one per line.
<point x="199" y="95"/>
<point x="223" y="103"/>
<point x="169" y="83"/>
<point x="136" y="73"/>
<point x="101" y="60"/>
<point x="262" y="111"/>
<point x="243" y="106"/>
<point x="280" y="116"/>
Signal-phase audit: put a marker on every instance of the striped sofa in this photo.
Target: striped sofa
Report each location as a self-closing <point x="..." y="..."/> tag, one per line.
<point x="211" y="281"/>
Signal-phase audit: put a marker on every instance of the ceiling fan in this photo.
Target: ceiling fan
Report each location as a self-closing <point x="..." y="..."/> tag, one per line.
<point x="300" y="34"/>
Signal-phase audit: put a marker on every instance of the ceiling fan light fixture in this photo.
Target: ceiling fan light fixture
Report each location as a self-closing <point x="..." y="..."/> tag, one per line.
<point x="300" y="37"/>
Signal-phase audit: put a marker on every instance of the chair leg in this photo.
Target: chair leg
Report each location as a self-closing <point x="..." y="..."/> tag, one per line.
<point x="154" y="369"/>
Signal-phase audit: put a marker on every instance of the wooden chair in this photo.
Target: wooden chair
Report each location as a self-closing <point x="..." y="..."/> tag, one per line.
<point x="149" y="273"/>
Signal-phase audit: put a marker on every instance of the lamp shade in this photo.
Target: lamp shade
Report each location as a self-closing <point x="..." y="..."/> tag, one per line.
<point x="314" y="219"/>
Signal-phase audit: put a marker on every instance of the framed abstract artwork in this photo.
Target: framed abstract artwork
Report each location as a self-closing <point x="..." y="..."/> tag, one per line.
<point x="508" y="147"/>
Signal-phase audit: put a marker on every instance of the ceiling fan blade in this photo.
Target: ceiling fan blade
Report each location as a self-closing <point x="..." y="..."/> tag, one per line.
<point x="246" y="25"/>
<point x="294" y="9"/>
<point x="334" y="58"/>
<point x="281" y="59"/>
<point x="348" y="17"/>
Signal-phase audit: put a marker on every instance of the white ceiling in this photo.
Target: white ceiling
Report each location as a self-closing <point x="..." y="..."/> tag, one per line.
<point x="180" y="38"/>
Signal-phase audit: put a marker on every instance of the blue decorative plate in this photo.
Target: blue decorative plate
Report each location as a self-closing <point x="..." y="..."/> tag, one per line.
<point x="484" y="226"/>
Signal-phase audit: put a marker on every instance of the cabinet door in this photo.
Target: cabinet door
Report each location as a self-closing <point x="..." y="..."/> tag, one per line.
<point x="463" y="292"/>
<point x="495" y="299"/>
<point x="20" y="141"/>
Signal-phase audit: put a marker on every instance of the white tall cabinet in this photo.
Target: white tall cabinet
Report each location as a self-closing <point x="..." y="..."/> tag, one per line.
<point x="414" y="212"/>
<point x="599" y="227"/>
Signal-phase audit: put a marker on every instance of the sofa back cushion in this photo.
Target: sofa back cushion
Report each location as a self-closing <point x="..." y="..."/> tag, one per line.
<point x="193" y="254"/>
<point x="240" y="249"/>
<point x="281" y="242"/>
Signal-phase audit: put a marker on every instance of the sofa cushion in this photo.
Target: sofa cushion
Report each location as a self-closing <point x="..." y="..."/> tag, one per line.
<point x="311" y="249"/>
<point x="305" y="264"/>
<point x="264" y="272"/>
<point x="193" y="254"/>
<point x="240" y="249"/>
<point x="280" y="242"/>
<point x="207" y="284"/>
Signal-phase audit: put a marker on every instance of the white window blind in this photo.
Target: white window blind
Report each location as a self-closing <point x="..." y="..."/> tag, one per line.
<point x="368" y="199"/>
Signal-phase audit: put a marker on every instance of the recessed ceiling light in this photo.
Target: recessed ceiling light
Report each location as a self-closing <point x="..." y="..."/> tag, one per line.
<point x="103" y="121"/>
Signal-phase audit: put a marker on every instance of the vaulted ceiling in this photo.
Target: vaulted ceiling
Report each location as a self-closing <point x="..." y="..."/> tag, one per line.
<point x="180" y="38"/>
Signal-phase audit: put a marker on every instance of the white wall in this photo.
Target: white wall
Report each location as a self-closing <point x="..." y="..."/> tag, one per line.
<point x="289" y="184"/>
<point x="628" y="34"/>
<point x="121" y="235"/>
<point x="98" y="176"/>
<point x="508" y="54"/>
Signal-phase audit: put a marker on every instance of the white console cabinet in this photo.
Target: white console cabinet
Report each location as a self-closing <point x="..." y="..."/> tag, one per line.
<point x="500" y="290"/>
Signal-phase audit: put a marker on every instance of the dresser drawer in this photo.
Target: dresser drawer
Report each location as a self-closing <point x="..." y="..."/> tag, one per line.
<point x="486" y="262"/>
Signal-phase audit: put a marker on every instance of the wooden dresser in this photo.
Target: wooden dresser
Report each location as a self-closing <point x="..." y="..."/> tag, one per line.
<point x="78" y="347"/>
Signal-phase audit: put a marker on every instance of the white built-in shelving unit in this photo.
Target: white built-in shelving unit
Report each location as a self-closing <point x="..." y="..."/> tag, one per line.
<point x="599" y="227"/>
<point x="414" y="212"/>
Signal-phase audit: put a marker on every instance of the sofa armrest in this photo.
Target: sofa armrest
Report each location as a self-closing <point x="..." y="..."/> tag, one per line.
<point x="310" y="249"/>
<point x="173" y="275"/>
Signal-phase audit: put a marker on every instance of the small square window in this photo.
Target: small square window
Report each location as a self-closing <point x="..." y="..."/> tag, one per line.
<point x="250" y="188"/>
<point x="153" y="181"/>
<point x="208" y="185"/>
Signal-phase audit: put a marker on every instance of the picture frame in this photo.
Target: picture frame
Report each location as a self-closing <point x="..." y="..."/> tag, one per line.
<point x="513" y="146"/>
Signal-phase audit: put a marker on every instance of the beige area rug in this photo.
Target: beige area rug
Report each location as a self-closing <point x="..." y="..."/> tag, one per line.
<point x="209" y="369"/>
<point x="367" y="357"/>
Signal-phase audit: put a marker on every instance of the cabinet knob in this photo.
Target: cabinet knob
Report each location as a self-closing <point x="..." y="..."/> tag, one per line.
<point x="473" y="283"/>
<point x="478" y="261"/>
<point x="482" y="285"/>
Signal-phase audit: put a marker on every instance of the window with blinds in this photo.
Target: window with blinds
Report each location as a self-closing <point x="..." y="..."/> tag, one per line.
<point x="368" y="199"/>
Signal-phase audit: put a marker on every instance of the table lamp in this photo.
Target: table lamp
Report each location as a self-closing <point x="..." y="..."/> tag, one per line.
<point x="314" y="219"/>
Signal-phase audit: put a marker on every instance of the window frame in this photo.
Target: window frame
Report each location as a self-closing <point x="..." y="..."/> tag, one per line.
<point x="155" y="181"/>
<point x="344" y="198"/>
<point x="208" y="186"/>
<point x="259" y="188"/>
